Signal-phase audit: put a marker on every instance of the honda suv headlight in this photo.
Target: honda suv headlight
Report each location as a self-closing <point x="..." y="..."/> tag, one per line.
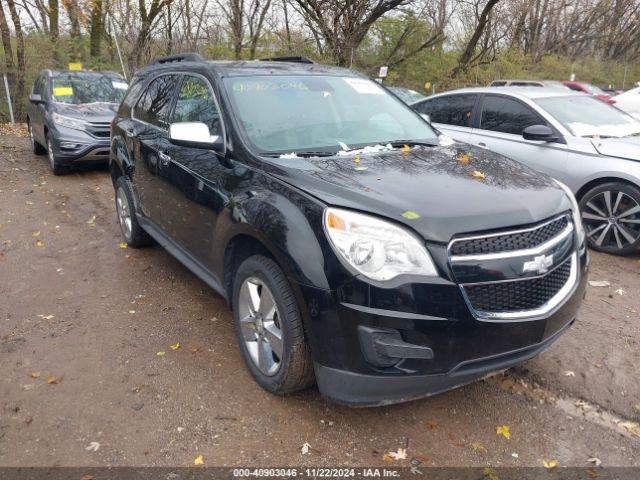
<point x="378" y="249"/>
<point x="68" y="122"/>
<point x="575" y="210"/>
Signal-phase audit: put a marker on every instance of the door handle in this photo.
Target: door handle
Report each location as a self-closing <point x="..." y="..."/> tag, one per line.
<point x="164" y="158"/>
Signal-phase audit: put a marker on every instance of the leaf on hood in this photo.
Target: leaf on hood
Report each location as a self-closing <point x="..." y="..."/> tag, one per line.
<point x="409" y="215"/>
<point x="550" y="463"/>
<point x="504" y="431"/>
<point x="356" y="159"/>
<point x="463" y="158"/>
<point x="406" y="149"/>
<point x="199" y="460"/>
<point x="478" y="175"/>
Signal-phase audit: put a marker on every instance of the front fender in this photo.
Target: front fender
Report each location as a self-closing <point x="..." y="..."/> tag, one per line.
<point x="286" y="223"/>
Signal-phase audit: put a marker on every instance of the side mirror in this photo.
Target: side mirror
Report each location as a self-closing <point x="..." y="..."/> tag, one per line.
<point x="426" y="117"/>
<point x="539" y="133"/>
<point x="35" y="98"/>
<point x="195" y="135"/>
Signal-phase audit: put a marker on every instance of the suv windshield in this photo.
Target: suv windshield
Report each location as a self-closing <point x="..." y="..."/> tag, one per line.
<point x="87" y="87"/>
<point x="586" y="116"/>
<point x="322" y="114"/>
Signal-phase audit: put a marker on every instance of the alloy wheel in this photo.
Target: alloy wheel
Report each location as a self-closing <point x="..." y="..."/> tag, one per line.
<point x="124" y="213"/>
<point x="260" y="325"/>
<point x="612" y="220"/>
<point x="52" y="158"/>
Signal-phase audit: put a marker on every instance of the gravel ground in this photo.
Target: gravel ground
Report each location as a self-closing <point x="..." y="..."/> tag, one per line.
<point x="82" y="322"/>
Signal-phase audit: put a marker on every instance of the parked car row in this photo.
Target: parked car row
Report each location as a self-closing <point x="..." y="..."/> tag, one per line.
<point x="360" y="247"/>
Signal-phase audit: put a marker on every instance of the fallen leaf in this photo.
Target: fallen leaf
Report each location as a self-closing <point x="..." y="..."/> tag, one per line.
<point x="464" y="158"/>
<point x="478" y="175"/>
<point x="161" y="353"/>
<point x="87" y="477"/>
<point x="36" y="234"/>
<point x="592" y="472"/>
<point x="53" y="380"/>
<point x="405" y="149"/>
<point x="596" y="461"/>
<point x="92" y="220"/>
<point x="569" y="373"/>
<point x="515" y="455"/>
<point x="175" y="347"/>
<point x="387" y="458"/>
<point x="599" y="283"/>
<point x="93" y="446"/>
<point x="46" y="317"/>
<point x="132" y="312"/>
<point x="631" y="427"/>
<point x="478" y="447"/>
<point x="550" y="464"/>
<point x="409" y="215"/>
<point x="401" y="454"/>
<point x="431" y="424"/>
<point x="504" y="431"/>
<point x="123" y="245"/>
<point x="39" y="243"/>
<point x="598" y="365"/>
<point x="34" y="374"/>
<point x="620" y="291"/>
<point x="305" y="448"/>
<point x="199" y="460"/>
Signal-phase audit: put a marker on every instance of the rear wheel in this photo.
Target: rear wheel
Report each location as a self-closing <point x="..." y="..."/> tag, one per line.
<point x="134" y="235"/>
<point x="269" y="327"/>
<point x="54" y="162"/>
<point x="611" y="216"/>
<point x="35" y="146"/>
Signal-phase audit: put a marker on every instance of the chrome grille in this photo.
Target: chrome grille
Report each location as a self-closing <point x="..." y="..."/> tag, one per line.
<point x="518" y="273"/>
<point x="511" y="241"/>
<point x="513" y="296"/>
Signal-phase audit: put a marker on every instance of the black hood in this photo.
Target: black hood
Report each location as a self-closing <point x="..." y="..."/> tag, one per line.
<point x="89" y="112"/>
<point x="442" y="184"/>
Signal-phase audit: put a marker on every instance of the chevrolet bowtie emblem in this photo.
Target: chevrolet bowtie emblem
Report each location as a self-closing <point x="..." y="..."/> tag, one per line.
<point x="539" y="264"/>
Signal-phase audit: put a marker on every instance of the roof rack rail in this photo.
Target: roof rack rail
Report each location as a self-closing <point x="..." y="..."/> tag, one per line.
<point x="288" y="59"/>
<point x="179" y="57"/>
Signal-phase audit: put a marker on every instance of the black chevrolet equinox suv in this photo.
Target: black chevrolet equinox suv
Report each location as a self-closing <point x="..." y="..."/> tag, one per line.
<point x="358" y="247"/>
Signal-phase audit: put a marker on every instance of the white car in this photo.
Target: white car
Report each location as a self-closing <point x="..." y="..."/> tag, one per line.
<point x="591" y="146"/>
<point x="629" y="102"/>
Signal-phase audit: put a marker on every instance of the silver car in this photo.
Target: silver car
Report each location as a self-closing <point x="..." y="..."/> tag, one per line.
<point x="590" y="146"/>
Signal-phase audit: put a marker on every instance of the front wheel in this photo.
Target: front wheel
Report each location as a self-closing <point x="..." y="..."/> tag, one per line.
<point x="54" y="163"/>
<point x="611" y="216"/>
<point x="269" y="327"/>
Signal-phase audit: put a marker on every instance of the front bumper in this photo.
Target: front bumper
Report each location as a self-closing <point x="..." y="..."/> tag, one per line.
<point x="75" y="146"/>
<point x="436" y="316"/>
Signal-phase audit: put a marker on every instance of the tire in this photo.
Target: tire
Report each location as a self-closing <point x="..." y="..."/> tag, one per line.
<point x="611" y="216"/>
<point x="54" y="162"/>
<point x="35" y="146"/>
<point x="134" y="235"/>
<point x="294" y="369"/>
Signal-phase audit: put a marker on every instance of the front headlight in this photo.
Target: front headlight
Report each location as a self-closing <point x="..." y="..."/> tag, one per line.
<point x="68" y="122"/>
<point x="376" y="248"/>
<point x="575" y="210"/>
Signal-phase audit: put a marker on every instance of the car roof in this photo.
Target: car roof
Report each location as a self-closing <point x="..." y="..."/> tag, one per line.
<point x="531" y="93"/>
<point x="235" y="68"/>
<point x="84" y="72"/>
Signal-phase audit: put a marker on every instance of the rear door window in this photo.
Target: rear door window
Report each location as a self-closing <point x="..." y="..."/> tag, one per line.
<point x="506" y="115"/>
<point x="450" y="109"/>
<point x="154" y="106"/>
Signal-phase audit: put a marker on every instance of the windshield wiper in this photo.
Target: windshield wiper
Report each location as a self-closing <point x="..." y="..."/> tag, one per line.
<point x="303" y="154"/>
<point x="411" y="143"/>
